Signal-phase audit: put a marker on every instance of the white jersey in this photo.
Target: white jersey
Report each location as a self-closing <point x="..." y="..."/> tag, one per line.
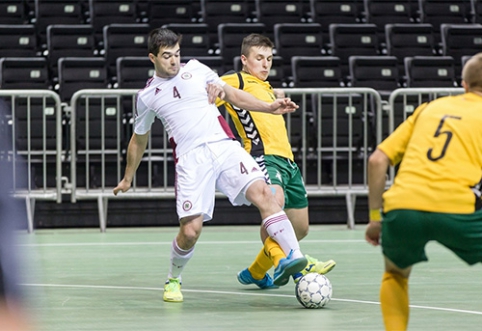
<point x="181" y="103"/>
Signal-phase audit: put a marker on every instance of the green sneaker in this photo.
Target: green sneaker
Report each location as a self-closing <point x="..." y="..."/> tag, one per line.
<point x="172" y="291"/>
<point x="316" y="266"/>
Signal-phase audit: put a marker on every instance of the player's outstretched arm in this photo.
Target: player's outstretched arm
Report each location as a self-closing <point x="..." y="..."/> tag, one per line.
<point x="135" y="151"/>
<point x="245" y="100"/>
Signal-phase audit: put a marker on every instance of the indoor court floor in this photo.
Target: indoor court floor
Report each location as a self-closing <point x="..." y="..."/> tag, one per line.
<point x="81" y="279"/>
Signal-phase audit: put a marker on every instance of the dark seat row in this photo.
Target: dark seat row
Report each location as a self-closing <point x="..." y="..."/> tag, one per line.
<point x="378" y="72"/>
<point x="303" y="39"/>
<point x="215" y="12"/>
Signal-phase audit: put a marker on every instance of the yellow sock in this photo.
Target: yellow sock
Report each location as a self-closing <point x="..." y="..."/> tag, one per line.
<point x="260" y="265"/>
<point x="394" y="302"/>
<point x="274" y="251"/>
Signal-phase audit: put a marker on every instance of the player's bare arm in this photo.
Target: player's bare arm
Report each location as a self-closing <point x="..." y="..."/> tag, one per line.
<point x="215" y="91"/>
<point x="135" y="151"/>
<point x="245" y="100"/>
<point x="378" y="164"/>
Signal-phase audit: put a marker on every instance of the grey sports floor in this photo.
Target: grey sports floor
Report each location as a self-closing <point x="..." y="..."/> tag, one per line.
<point x="87" y="280"/>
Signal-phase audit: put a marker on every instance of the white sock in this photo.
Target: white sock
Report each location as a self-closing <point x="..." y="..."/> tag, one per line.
<point x="179" y="259"/>
<point x="281" y="230"/>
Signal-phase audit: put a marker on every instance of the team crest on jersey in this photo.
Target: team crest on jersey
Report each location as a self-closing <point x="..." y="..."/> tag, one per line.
<point x="186" y="75"/>
<point x="186" y="205"/>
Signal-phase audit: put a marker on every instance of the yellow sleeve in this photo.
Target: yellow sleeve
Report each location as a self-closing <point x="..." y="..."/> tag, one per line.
<point x="231" y="79"/>
<point x="395" y="145"/>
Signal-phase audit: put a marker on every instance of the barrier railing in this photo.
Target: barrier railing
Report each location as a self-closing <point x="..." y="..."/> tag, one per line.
<point x="34" y="118"/>
<point x="347" y="125"/>
<point x="332" y="135"/>
<point x="98" y="154"/>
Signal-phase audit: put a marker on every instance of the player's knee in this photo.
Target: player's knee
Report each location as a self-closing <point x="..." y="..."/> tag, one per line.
<point x="266" y="194"/>
<point x="259" y="193"/>
<point x="189" y="233"/>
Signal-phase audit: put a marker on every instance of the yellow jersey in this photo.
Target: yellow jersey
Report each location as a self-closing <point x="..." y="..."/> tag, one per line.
<point x="440" y="150"/>
<point x="261" y="133"/>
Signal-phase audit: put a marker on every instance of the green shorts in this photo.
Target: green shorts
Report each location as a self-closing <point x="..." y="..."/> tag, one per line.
<point x="285" y="173"/>
<point x="406" y="232"/>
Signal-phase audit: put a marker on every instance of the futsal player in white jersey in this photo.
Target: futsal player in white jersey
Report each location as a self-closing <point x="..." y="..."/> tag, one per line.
<point x="206" y="154"/>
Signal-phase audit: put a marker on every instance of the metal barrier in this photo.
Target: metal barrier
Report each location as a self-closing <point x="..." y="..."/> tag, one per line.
<point x="332" y="135"/>
<point x="35" y="123"/>
<point x="93" y="112"/>
<point x="101" y="125"/>
<point x="347" y="123"/>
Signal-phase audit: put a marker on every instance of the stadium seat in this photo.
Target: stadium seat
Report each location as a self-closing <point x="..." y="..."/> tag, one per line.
<point x="353" y="39"/>
<point x="106" y="12"/>
<point x="99" y="131"/>
<point x="316" y="71"/>
<point x="382" y="12"/>
<point x="77" y="73"/>
<point x="330" y="113"/>
<point x="404" y="40"/>
<point x="24" y="73"/>
<point x="459" y="40"/>
<point x="49" y="12"/>
<point x="215" y="12"/>
<point x="195" y="38"/>
<point x="377" y="72"/>
<point x="430" y="71"/>
<point x="69" y="41"/>
<point x="297" y="39"/>
<point x="13" y="12"/>
<point x="18" y="40"/>
<point x="333" y="11"/>
<point x="437" y="12"/>
<point x="124" y="40"/>
<point x="133" y="71"/>
<point x="271" y="12"/>
<point x="34" y="117"/>
<point x="231" y="36"/>
<point x="171" y="11"/>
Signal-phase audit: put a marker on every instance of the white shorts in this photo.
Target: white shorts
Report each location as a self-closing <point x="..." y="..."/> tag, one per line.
<point x="222" y="165"/>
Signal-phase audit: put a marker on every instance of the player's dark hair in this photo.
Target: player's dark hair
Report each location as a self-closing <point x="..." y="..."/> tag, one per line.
<point x="472" y="72"/>
<point x="161" y="37"/>
<point x="255" y="40"/>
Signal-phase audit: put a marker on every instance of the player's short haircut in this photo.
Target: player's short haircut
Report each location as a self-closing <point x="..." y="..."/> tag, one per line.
<point x="255" y="40"/>
<point x="161" y="37"/>
<point x="472" y="72"/>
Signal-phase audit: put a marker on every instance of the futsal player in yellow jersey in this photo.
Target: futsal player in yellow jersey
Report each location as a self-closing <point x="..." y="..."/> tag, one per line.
<point x="266" y="139"/>
<point x="436" y="192"/>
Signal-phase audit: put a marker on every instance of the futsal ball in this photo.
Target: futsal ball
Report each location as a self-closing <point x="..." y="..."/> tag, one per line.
<point x="313" y="290"/>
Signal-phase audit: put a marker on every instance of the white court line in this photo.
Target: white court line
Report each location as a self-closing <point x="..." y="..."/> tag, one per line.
<point x="471" y="312"/>
<point x="170" y="242"/>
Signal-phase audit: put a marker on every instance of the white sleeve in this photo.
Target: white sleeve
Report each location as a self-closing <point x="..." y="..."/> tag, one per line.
<point x="144" y="118"/>
<point x="212" y="77"/>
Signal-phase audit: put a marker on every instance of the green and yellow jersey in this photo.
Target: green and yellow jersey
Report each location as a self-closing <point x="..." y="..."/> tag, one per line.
<point x="262" y="133"/>
<point x="440" y="150"/>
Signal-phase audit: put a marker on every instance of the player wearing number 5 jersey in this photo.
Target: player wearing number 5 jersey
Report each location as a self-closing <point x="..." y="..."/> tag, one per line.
<point x="207" y="157"/>
<point x="436" y="192"/>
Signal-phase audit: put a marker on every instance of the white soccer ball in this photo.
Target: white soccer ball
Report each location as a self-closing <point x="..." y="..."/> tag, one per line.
<point x="314" y="290"/>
